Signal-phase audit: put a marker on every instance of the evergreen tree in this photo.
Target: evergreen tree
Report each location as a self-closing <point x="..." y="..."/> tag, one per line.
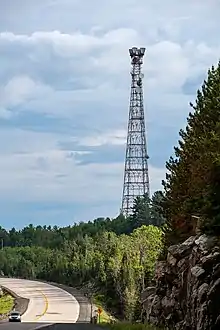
<point x="141" y="212"/>
<point x="211" y="210"/>
<point x="156" y="215"/>
<point x="192" y="178"/>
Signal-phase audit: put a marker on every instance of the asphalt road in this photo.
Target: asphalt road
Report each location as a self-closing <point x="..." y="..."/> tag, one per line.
<point x="48" y="304"/>
<point x="24" y="326"/>
<point x="44" y="326"/>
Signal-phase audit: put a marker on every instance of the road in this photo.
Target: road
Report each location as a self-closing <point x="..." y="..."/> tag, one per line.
<point x="48" y="304"/>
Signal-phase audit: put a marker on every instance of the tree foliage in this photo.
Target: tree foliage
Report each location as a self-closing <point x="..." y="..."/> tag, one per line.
<point x="115" y="257"/>
<point x="118" y="266"/>
<point x="192" y="182"/>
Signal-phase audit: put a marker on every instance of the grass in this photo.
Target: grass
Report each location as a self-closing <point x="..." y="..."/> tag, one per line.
<point x="104" y="316"/>
<point x="128" y="326"/>
<point x="6" y="303"/>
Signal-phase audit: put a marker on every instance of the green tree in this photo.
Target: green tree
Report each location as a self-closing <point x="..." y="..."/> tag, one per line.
<point x="105" y="254"/>
<point x="156" y="212"/>
<point x="193" y="174"/>
<point x="117" y="266"/>
<point x="141" y="212"/>
<point x="211" y="209"/>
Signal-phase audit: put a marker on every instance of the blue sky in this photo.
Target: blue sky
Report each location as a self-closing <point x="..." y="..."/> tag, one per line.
<point x="64" y="95"/>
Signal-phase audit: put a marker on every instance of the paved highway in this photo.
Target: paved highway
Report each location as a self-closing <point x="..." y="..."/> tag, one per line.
<point x="48" y="304"/>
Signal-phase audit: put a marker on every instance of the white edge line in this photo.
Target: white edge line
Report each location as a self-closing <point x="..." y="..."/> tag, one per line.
<point x="45" y="284"/>
<point x="72" y="296"/>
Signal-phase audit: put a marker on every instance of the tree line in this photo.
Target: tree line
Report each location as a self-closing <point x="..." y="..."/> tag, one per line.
<point x="117" y="256"/>
<point x="113" y="258"/>
<point x="145" y="212"/>
<point x="192" y="185"/>
<point x="116" y="267"/>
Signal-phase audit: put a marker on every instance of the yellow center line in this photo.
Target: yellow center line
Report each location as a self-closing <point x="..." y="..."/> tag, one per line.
<point x="45" y="307"/>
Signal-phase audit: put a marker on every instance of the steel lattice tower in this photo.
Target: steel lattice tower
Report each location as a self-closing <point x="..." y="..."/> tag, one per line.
<point x="136" y="178"/>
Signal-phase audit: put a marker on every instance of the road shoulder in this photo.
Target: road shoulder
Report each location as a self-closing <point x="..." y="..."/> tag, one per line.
<point x="20" y="303"/>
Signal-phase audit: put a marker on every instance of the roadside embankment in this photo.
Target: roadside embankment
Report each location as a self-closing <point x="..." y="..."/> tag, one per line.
<point x="12" y="301"/>
<point x="6" y="303"/>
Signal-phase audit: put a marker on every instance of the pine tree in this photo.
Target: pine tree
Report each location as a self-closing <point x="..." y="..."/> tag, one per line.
<point x="141" y="212"/>
<point x="211" y="210"/>
<point x="191" y="182"/>
<point x="156" y="215"/>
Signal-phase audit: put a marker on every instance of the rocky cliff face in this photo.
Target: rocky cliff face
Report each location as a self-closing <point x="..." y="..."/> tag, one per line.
<point x="187" y="291"/>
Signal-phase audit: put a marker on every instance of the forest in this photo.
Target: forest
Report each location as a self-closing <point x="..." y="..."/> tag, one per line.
<point x="112" y="258"/>
<point x="115" y="258"/>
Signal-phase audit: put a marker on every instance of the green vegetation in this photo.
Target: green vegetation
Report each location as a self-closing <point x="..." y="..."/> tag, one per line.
<point x="111" y="259"/>
<point x="104" y="317"/>
<point x="192" y="186"/>
<point x="6" y="303"/>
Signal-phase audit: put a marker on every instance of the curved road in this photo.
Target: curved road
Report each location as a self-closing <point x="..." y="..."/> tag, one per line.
<point x="48" y="304"/>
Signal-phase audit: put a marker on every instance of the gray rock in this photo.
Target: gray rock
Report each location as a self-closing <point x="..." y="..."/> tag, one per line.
<point x="202" y="292"/>
<point x="180" y="251"/>
<point x="217" y="322"/>
<point x="202" y="322"/>
<point x="171" y="259"/>
<point x="205" y="242"/>
<point x="161" y="269"/>
<point x="197" y="271"/>
<point x="190" y="241"/>
<point x="181" y="264"/>
<point x="210" y="259"/>
<point x="187" y="291"/>
<point x="215" y="289"/>
<point x="147" y="292"/>
<point x="216" y="272"/>
<point x="167" y="304"/>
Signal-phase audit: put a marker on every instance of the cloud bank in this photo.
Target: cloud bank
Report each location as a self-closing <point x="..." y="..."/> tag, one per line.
<point x="64" y="96"/>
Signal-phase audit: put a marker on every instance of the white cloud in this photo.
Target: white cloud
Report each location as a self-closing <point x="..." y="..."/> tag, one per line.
<point x="25" y="142"/>
<point x="168" y="65"/>
<point x="151" y="18"/>
<point x="62" y="74"/>
<point x="54" y="176"/>
<point x="32" y="168"/>
<point x="117" y="137"/>
<point x="69" y="60"/>
<point x="20" y="90"/>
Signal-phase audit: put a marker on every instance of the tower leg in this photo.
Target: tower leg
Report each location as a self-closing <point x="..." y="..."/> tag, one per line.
<point x="136" y="178"/>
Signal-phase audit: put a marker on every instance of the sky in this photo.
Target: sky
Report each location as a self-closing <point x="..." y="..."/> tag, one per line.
<point x="64" y="97"/>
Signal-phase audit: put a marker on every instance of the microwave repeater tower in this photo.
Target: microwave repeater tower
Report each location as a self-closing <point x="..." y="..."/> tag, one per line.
<point x="136" y="177"/>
